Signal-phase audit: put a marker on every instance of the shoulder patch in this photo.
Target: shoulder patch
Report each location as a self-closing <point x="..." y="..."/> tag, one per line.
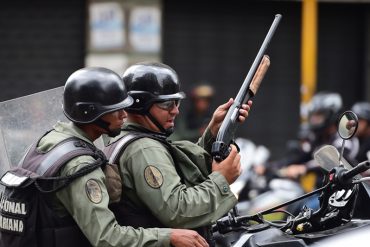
<point x="93" y="191"/>
<point x="153" y="177"/>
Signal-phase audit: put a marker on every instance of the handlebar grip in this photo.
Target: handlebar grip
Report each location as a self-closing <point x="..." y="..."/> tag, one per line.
<point x="356" y="170"/>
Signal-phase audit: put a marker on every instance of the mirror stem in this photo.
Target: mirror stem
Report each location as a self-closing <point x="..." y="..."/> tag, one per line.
<point x="341" y="152"/>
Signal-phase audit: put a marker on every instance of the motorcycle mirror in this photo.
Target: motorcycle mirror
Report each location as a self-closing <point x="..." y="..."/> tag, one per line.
<point x="347" y="125"/>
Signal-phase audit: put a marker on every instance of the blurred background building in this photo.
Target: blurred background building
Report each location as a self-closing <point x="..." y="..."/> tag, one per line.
<point x="42" y="42"/>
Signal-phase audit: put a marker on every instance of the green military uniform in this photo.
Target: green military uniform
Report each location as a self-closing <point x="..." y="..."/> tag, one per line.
<point x="195" y="197"/>
<point x="86" y="200"/>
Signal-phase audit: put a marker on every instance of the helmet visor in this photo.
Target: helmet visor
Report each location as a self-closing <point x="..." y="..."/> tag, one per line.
<point x="115" y="107"/>
<point x="175" y="96"/>
<point x="88" y="112"/>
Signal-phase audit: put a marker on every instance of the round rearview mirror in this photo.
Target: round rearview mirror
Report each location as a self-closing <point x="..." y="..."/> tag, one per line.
<point x="347" y="124"/>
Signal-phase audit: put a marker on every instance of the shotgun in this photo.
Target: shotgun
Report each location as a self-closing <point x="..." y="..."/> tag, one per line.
<point x="225" y="136"/>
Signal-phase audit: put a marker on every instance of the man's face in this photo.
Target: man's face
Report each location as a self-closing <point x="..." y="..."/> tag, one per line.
<point x="115" y="119"/>
<point x="165" y="113"/>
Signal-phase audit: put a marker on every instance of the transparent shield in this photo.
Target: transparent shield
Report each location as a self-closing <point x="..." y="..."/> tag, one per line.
<point x="4" y="160"/>
<point x="23" y="120"/>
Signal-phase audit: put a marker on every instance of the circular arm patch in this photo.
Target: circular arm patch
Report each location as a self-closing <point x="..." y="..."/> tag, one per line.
<point x="93" y="191"/>
<point x="153" y="177"/>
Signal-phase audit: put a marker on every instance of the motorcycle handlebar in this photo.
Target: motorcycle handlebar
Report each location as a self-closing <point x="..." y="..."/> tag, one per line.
<point x="356" y="170"/>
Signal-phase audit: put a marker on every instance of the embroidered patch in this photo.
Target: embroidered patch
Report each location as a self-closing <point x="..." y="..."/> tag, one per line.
<point x="93" y="191"/>
<point x="153" y="177"/>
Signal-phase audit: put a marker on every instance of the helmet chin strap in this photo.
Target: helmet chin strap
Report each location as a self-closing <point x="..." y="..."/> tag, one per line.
<point x="105" y="125"/>
<point x="166" y="132"/>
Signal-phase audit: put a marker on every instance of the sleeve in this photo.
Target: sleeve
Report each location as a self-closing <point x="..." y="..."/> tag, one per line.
<point x="86" y="199"/>
<point x="159" y="187"/>
<point x="206" y="140"/>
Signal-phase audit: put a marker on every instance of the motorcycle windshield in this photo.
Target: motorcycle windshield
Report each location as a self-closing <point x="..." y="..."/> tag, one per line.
<point x="23" y="120"/>
<point x="328" y="158"/>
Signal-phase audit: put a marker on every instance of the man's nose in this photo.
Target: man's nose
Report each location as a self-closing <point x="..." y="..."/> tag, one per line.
<point x="175" y="109"/>
<point x="122" y="114"/>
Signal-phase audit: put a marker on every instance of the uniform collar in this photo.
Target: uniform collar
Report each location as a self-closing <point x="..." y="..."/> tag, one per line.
<point x="71" y="129"/>
<point x="131" y="126"/>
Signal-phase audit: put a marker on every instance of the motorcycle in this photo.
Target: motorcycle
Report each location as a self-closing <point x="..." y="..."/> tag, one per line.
<point x="342" y="198"/>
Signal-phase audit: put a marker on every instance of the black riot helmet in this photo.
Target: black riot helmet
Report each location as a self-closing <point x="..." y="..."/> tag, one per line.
<point x="362" y="110"/>
<point x="148" y="83"/>
<point x="90" y="93"/>
<point x="323" y="110"/>
<point x="151" y="82"/>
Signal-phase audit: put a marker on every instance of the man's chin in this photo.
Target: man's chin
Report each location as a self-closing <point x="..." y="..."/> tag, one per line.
<point x="114" y="132"/>
<point x="169" y="131"/>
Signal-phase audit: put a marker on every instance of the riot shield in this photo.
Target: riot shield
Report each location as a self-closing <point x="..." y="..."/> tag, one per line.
<point x="23" y="120"/>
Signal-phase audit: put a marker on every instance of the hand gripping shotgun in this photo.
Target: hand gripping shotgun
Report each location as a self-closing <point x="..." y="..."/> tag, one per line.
<point x="225" y="135"/>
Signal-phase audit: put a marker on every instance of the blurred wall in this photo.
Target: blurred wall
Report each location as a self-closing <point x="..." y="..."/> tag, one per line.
<point x="123" y="32"/>
<point x="41" y="43"/>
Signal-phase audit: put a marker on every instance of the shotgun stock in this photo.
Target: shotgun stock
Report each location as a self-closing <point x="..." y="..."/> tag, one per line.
<point x="225" y="135"/>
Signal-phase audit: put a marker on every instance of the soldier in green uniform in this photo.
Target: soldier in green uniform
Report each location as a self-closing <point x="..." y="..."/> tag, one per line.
<point x="94" y="99"/>
<point x="169" y="184"/>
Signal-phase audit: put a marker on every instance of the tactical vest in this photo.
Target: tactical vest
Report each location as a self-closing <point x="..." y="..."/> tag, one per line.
<point x="185" y="158"/>
<point x="26" y="216"/>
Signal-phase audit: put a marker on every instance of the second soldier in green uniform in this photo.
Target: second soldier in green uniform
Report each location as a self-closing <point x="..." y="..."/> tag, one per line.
<point x="169" y="184"/>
